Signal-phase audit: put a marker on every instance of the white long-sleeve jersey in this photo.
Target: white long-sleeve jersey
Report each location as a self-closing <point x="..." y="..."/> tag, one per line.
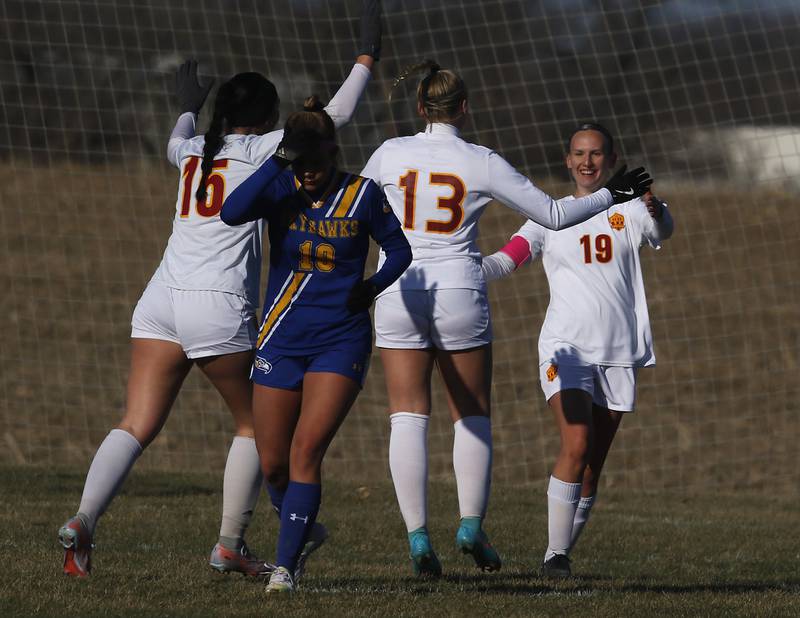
<point x="598" y="308"/>
<point x="438" y="185"/>
<point x="203" y="253"/>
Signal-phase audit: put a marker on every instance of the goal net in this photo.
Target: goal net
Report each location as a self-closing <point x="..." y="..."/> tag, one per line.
<point x="705" y="94"/>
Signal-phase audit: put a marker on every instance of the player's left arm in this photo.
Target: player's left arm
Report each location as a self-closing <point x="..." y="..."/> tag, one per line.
<point x="343" y="104"/>
<point x="659" y="224"/>
<point x="191" y="96"/>
<point x="386" y="231"/>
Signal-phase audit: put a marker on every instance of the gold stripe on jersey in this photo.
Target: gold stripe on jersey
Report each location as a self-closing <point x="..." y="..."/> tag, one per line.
<point x="348" y="197"/>
<point x="280" y="306"/>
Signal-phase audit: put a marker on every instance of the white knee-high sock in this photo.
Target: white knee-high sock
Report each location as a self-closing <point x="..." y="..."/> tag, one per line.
<point x="240" y="489"/>
<point x="109" y="469"/>
<point x="408" y="462"/>
<point x="472" y="462"/>
<point x="562" y="502"/>
<point x="581" y="517"/>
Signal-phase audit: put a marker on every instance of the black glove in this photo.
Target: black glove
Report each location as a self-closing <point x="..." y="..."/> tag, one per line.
<point x="190" y="92"/>
<point x="625" y="186"/>
<point x="370" y="43"/>
<point x="296" y="144"/>
<point x="361" y="296"/>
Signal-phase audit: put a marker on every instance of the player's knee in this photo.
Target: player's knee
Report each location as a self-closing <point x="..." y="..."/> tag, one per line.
<point x="144" y="435"/>
<point x="306" y="456"/>
<point x="576" y="450"/>
<point x="276" y="473"/>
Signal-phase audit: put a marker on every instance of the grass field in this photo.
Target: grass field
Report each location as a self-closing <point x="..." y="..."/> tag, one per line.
<point x="642" y="554"/>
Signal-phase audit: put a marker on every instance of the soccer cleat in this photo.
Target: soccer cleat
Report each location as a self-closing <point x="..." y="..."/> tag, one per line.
<point x="238" y="561"/>
<point x="471" y="539"/>
<point x="423" y="558"/>
<point x="556" y="567"/>
<point x="316" y="538"/>
<point x="280" y="581"/>
<point x="76" y="540"/>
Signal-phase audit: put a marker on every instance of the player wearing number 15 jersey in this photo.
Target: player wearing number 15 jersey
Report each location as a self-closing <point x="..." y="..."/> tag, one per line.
<point x="199" y="306"/>
<point x="437" y="313"/>
<point x="596" y="333"/>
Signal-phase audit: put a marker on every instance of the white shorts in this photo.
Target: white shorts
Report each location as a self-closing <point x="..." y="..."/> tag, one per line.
<point x="202" y="322"/>
<point x="610" y="387"/>
<point x="450" y="319"/>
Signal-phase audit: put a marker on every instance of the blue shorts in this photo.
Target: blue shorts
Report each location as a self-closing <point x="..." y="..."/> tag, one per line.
<point x="287" y="371"/>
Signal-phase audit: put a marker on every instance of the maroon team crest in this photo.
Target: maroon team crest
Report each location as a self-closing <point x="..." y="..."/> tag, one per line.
<point x="617" y="221"/>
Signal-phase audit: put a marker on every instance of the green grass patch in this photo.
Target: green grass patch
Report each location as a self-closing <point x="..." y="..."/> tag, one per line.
<point x="642" y="553"/>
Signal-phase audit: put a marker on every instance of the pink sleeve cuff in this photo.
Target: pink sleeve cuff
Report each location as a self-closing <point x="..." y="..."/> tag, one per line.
<point x="518" y="250"/>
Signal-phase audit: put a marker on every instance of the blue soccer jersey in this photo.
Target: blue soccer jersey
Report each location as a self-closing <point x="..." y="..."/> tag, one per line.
<point x="317" y="254"/>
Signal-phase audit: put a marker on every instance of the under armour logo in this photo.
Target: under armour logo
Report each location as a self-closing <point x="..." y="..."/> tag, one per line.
<point x="295" y="517"/>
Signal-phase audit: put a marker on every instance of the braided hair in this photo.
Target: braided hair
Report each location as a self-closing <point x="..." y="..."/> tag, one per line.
<point x="441" y="92"/>
<point x="245" y="100"/>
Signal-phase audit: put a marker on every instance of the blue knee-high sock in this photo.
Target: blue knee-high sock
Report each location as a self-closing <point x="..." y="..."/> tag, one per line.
<point x="276" y="496"/>
<point x="298" y="514"/>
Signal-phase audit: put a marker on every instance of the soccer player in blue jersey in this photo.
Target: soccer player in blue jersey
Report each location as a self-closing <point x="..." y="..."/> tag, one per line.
<point x="315" y="339"/>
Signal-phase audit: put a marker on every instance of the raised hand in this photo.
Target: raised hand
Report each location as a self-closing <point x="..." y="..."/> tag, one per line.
<point x="370" y="42"/>
<point x="625" y="186"/>
<point x="190" y="92"/>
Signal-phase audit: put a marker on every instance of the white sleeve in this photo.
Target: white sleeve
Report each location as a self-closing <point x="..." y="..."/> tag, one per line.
<point x="515" y="190"/>
<point x="184" y="130"/>
<point x="343" y="104"/>
<point x="372" y="169"/>
<point x="497" y="265"/>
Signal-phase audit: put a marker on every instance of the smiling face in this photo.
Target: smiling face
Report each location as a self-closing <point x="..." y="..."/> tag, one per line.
<point x="589" y="161"/>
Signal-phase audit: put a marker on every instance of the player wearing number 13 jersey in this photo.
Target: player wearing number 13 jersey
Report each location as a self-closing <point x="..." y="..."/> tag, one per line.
<point x="596" y="333"/>
<point x="198" y="308"/>
<point x="437" y="313"/>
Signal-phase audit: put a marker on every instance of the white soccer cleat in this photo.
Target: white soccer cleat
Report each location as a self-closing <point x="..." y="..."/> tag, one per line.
<point x="280" y="581"/>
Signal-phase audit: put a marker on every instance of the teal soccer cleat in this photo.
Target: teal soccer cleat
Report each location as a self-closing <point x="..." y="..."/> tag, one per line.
<point x="472" y="540"/>
<point x="423" y="559"/>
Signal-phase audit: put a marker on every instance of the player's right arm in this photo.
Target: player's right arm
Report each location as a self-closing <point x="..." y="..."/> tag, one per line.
<point x="271" y="182"/>
<point x="254" y="197"/>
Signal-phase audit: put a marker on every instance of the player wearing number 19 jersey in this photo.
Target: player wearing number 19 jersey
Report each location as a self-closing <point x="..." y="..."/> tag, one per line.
<point x="437" y="313"/>
<point x="199" y="305"/>
<point x="596" y="333"/>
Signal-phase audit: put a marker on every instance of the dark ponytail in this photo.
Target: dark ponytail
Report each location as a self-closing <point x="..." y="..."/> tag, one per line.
<point x="214" y="137"/>
<point x="245" y="100"/>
